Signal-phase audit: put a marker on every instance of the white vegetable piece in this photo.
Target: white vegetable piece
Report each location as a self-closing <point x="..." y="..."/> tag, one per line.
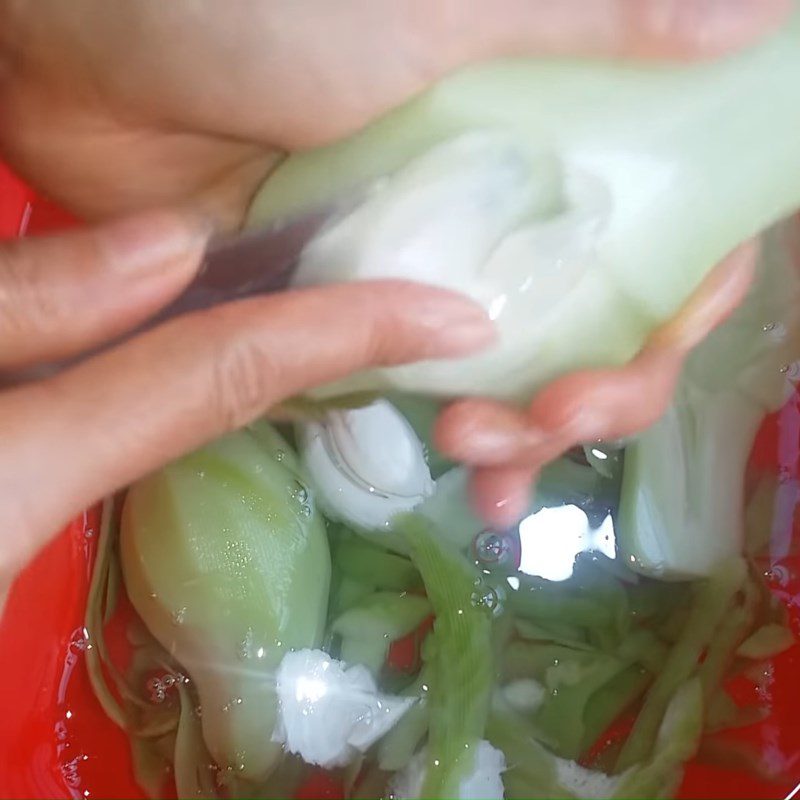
<point x="329" y="713"/>
<point x="585" y="783"/>
<point x="366" y="464"/>
<point x="483" y="783"/>
<point x="483" y="215"/>
<point x="524" y="695"/>
<point x="551" y="191"/>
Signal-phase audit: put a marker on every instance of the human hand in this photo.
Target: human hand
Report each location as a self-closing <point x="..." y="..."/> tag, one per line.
<point x="145" y="121"/>
<point x="506" y="447"/>
<point x="98" y="426"/>
<point x="114" y="107"/>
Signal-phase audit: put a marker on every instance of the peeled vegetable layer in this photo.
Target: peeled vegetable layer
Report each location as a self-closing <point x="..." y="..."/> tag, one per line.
<point x="553" y="192"/>
<point x="226" y="561"/>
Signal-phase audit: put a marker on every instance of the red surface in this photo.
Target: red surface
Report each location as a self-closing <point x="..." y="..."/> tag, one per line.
<point x="55" y="741"/>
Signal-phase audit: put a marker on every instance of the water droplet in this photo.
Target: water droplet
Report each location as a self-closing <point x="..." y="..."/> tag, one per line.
<point x="770" y="326"/>
<point x="201" y="473"/>
<point x="778" y="574"/>
<point x="179" y="616"/>
<point x="784" y="369"/>
<point x="198" y="711"/>
<point x="246" y="645"/>
<point x="234" y="701"/>
<point x="298" y="492"/>
<point x="79" y="641"/>
<point x="89" y="533"/>
<point x="279" y="455"/>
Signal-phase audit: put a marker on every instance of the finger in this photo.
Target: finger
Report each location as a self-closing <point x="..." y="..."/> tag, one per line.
<point x="501" y="495"/>
<point x="639" y="28"/>
<point x="62" y="294"/>
<point x="717" y="296"/>
<point x="104" y="423"/>
<point x="597" y="403"/>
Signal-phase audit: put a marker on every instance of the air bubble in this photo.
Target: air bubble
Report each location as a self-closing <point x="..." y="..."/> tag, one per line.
<point x="490" y="547"/>
<point x="279" y="455"/>
<point x="485" y="598"/>
<point x="770" y="326"/>
<point x="305" y="511"/>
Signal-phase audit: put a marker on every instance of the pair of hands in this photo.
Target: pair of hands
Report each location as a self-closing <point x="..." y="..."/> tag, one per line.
<point x="114" y="109"/>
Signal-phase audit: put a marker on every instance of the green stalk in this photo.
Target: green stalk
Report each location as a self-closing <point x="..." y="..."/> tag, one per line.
<point x="460" y="664"/>
<point x="711" y="601"/>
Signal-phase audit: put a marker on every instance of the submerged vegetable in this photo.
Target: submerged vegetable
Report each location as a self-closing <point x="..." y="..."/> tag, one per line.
<point x="460" y="664"/>
<point x="682" y="502"/>
<point x="551" y="191"/>
<point x="226" y="561"/>
<point x="366" y="464"/>
<point x="329" y="713"/>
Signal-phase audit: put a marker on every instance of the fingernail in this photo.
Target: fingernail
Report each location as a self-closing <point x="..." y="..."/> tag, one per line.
<point x="146" y="243"/>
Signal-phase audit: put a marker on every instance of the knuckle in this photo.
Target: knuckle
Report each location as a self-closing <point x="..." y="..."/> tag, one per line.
<point x="27" y="304"/>
<point x="243" y="383"/>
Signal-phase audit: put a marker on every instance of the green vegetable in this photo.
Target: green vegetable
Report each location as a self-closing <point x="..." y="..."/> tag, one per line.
<point x="711" y="601"/>
<point x="383" y="616"/>
<point x="556" y="185"/>
<point x="375" y="567"/>
<point x="611" y="701"/>
<point x="368" y="628"/>
<point x="226" y="561"/>
<point x="682" y="491"/>
<point x="531" y="768"/>
<point x="460" y="665"/>
<point x="396" y="749"/>
<point x="677" y="741"/>
<point x="769" y="640"/>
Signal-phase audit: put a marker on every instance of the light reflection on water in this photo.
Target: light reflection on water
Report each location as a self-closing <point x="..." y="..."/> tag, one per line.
<point x="552" y="538"/>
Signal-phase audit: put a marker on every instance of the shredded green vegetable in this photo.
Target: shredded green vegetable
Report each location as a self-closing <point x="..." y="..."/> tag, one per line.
<point x="711" y="601"/>
<point x="461" y="668"/>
